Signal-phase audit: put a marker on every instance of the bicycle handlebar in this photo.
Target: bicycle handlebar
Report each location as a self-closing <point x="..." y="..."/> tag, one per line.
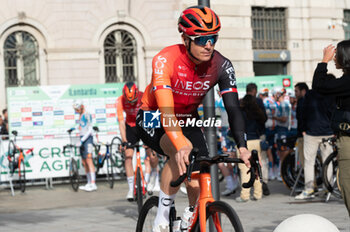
<point x="254" y="162"/>
<point x="329" y="140"/>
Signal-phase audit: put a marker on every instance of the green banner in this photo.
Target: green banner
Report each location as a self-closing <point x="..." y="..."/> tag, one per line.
<point x="283" y="81"/>
<point x="48" y="111"/>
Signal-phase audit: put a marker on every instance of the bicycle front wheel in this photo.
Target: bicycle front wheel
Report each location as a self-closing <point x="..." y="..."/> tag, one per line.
<point x="330" y="174"/>
<point x="227" y="218"/>
<point x="74" y="175"/>
<point x="147" y="215"/>
<point x="110" y="174"/>
<point x="22" y="176"/>
<point x="289" y="172"/>
<point x="139" y="195"/>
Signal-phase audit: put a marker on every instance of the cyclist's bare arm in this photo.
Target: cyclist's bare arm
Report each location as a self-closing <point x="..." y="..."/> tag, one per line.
<point x="121" y="120"/>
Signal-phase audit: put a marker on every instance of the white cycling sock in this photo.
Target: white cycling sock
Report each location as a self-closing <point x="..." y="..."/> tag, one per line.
<point x="157" y="177"/>
<point x="147" y="177"/>
<point x="130" y="180"/>
<point x="93" y="177"/>
<point x="164" y="204"/>
<point x="88" y="177"/>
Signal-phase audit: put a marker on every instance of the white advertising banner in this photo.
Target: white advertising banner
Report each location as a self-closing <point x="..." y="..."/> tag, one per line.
<point x="42" y="115"/>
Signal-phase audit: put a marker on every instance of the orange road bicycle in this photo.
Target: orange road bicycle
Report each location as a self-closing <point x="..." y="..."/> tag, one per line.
<point x="139" y="180"/>
<point x="222" y="214"/>
<point x="16" y="157"/>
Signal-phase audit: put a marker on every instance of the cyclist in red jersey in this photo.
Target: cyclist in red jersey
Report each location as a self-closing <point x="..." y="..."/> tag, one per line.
<point x="181" y="77"/>
<point x="130" y="103"/>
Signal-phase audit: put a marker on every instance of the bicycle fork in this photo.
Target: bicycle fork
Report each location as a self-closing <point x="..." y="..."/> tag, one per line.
<point x="205" y="198"/>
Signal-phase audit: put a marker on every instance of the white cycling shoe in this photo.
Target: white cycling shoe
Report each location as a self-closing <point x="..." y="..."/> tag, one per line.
<point x="160" y="228"/>
<point x="84" y="187"/>
<point x="130" y="195"/>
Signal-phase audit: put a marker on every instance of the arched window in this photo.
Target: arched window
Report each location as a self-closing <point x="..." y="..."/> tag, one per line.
<point x="21" y="60"/>
<point x="120" y="57"/>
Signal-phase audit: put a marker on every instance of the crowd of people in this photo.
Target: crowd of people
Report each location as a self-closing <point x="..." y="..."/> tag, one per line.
<point x="308" y="115"/>
<point x="270" y="116"/>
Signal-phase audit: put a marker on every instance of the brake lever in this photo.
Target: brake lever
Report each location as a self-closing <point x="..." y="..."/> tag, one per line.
<point x="257" y="164"/>
<point x="192" y="158"/>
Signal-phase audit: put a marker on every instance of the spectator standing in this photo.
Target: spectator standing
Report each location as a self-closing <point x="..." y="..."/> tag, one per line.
<point x="252" y="89"/>
<point x="340" y="88"/>
<point x="300" y="89"/>
<point x="253" y="116"/>
<point x="317" y="111"/>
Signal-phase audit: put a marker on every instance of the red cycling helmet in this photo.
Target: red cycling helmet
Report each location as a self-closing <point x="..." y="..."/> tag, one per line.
<point x="199" y="20"/>
<point x="130" y="92"/>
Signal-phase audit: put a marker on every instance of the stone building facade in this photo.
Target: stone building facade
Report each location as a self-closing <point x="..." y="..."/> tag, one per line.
<point x="60" y="42"/>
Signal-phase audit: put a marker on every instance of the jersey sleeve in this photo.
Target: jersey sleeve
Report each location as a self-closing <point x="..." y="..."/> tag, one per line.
<point x="161" y="79"/>
<point x="228" y="90"/>
<point x="120" y="109"/>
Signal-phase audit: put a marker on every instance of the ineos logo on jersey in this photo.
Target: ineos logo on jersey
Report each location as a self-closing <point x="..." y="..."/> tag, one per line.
<point x="182" y="74"/>
<point x="159" y="65"/>
<point x="190" y="85"/>
<point x="231" y="72"/>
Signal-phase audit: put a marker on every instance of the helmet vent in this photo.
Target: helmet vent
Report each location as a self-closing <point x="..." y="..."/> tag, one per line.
<point x="184" y="23"/>
<point x="193" y="20"/>
<point x="209" y="25"/>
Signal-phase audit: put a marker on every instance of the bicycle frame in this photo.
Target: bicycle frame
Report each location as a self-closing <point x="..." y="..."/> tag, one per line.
<point x="138" y="165"/>
<point x="205" y="197"/>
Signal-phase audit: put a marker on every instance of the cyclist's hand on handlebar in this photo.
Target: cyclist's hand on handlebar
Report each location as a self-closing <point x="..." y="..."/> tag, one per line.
<point x="124" y="145"/>
<point x="244" y="155"/>
<point x="181" y="158"/>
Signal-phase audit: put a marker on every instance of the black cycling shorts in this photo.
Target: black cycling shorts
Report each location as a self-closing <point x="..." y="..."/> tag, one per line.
<point x="132" y="135"/>
<point x="151" y="136"/>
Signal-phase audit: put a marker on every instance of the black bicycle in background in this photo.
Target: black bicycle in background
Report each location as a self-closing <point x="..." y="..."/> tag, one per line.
<point x="330" y="171"/>
<point x="71" y="150"/>
<point x="106" y="156"/>
<point x="292" y="172"/>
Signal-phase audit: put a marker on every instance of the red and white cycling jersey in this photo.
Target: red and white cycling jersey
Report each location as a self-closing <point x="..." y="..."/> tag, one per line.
<point x="172" y="69"/>
<point x="130" y="109"/>
<point x="179" y="85"/>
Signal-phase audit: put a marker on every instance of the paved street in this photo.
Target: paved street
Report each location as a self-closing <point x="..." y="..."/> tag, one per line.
<point x="61" y="209"/>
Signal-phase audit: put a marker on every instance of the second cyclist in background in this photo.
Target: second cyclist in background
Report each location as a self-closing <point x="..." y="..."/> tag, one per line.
<point x="85" y="144"/>
<point x="130" y="103"/>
